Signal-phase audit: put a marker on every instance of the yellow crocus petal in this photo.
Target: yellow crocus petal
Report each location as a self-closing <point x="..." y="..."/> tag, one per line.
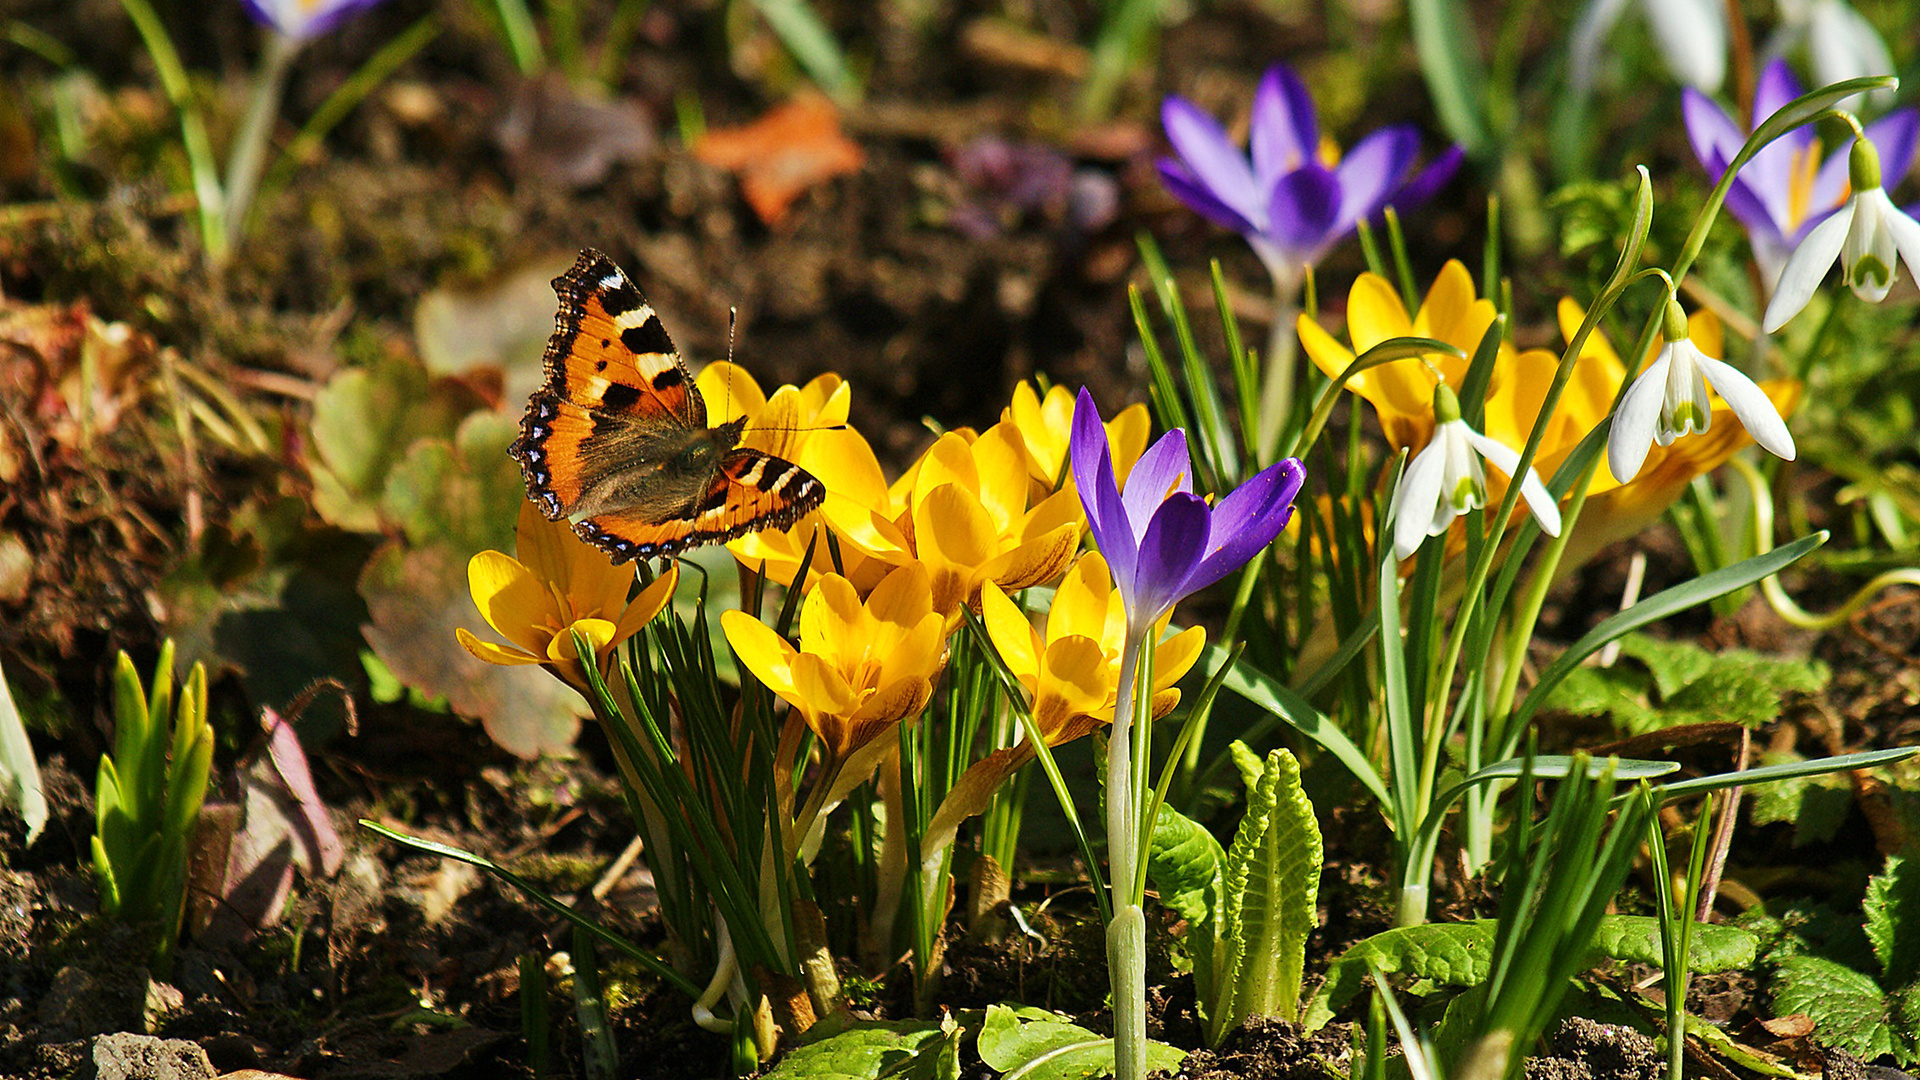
<point x="1322" y="348"/>
<point x="765" y="653"/>
<point x="866" y="526"/>
<point x="954" y="538"/>
<point x="895" y="608"/>
<point x="1060" y="508"/>
<point x="1080" y="604"/>
<point x="843" y="460"/>
<point x="730" y="391"/>
<point x="652" y="600"/>
<point x="1075" y="669"/>
<point x="1703" y="326"/>
<point x="948" y="461"/>
<point x="1164" y="702"/>
<point x="1012" y="635"/>
<point x="832" y="621"/>
<point x="999" y="458"/>
<point x="513" y="601"/>
<point x="1034" y="562"/>
<point x="1174" y="657"/>
<point x="1126" y="433"/>
<point x="821" y="687"/>
<point x="890" y="704"/>
<point x="491" y="652"/>
<point x="598" y="632"/>
<point x="1375" y="313"/>
<point x="542" y="546"/>
<point x="918" y="652"/>
<point x="1452" y="314"/>
<point x="1571" y="314"/>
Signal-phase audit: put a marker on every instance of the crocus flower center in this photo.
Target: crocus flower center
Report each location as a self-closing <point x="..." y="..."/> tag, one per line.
<point x="1806" y="167"/>
<point x="1329" y="153"/>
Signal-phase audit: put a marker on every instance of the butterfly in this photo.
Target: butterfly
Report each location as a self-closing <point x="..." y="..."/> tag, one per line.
<point x="617" y="440"/>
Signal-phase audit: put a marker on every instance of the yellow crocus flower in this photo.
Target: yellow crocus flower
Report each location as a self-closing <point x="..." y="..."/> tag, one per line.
<point x="1401" y="392"/>
<point x="558" y="584"/>
<point x="861" y="667"/>
<point x="1045" y="424"/>
<point x="1072" y="669"/>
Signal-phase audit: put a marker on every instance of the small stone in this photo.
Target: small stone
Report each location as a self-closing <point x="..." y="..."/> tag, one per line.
<point x="124" y="1056"/>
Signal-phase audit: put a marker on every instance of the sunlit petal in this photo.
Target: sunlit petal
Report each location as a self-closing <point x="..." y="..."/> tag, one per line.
<point x="1807" y="267"/>
<point x="763" y="652"/>
<point x="1418" y="498"/>
<point x="1503" y="457"/>
<point x="1751" y="405"/>
<point x="492" y="652"/>
<point x="1638" y="419"/>
<point x="513" y="601"/>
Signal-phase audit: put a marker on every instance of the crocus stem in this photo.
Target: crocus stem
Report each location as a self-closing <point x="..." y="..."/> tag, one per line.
<point x="1276" y="389"/>
<point x="1127" y="933"/>
<point x="249" y="158"/>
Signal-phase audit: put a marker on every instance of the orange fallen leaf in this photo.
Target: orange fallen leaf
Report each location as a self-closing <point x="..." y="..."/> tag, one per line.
<point x="793" y="147"/>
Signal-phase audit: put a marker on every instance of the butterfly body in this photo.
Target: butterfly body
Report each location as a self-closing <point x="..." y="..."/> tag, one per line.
<point x="617" y="441"/>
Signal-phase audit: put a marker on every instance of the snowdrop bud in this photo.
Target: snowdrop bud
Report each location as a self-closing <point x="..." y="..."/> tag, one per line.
<point x="1863" y="166"/>
<point x="1674" y="327"/>
<point x="1446" y="404"/>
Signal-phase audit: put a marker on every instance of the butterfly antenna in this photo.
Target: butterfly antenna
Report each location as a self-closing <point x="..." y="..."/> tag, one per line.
<point x="733" y="319"/>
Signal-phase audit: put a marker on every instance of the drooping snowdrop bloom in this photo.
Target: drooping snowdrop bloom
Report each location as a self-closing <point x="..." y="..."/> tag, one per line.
<point x="1447" y="479"/>
<point x="1690" y="34"/>
<point x="303" y="19"/>
<point x="1864" y="235"/>
<point x="1841" y="43"/>
<point x="1670" y="399"/>
<point x="1785" y="189"/>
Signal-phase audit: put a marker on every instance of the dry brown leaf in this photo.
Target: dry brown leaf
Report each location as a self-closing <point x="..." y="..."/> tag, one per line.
<point x="779" y="157"/>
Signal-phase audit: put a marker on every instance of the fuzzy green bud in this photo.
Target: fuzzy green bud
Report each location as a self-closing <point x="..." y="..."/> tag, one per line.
<point x="1863" y="166"/>
<point x="1674" y="328"/>
<point x="1446" y="405"/>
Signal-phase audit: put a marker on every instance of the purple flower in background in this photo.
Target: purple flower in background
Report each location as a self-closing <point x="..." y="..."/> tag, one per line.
<point x="303" y="19"/>
<point x="1162" y="541"/>
<point x="1785" y="189"/>
<point x="1289" y="201"/>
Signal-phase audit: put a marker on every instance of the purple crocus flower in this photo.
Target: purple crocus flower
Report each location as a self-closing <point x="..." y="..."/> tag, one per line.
<point x="1289" y="203"/>
<point x="303" y="19"/>
<point x="1162" y="541"/>
<point x="1785" y="189"/>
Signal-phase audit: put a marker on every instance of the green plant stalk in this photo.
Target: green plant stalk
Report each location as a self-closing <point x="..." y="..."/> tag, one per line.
<point x="208" y="195"/>
<point x="523" y="38"/>
<point x="1123" y="37"/>
<point x="1283" y="363"/>
<point x="1785" y="606"/>
<point x="249" y="155"/>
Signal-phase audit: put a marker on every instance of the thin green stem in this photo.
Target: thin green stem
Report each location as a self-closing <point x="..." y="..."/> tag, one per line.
<point x="249" y="155"/>
<point x="1276" y="389"/>
<point x="1127" y="933"/>
<point x="208" y="195"/>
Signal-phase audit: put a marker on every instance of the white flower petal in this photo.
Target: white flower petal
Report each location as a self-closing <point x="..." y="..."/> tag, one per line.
<point x="1503" y="457"/>
<point x="1868" y="254"/>
<point x="1906" y="238"/>
<point x="1637" y="418"/>
<point x="1415" y="501"/>
<point x="1589" y="36"/>
<point x="1751" y="405"/>
<point x="1806" y="267"/>
<point x="1692" y="38"/>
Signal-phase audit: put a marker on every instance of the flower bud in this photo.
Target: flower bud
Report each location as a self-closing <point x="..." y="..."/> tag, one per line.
<point x="1863" y="166"/>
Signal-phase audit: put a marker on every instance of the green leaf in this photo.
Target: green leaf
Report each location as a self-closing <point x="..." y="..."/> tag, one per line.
<point x="1024" y="1047"/>
<point x="1636" y="939"/>
<point x="1272" y="876"/>
<point x="464" y="491"/>
<point x="364" y="420"/>
<point x="1268" y="693"/>
<point x="916" y="1049"/>
<point x="1892" y="907"/>
<point x="806" y="36"/>
<point x="1445" y="954"/>
<point x="1184" y="863"/>
<point x="1850" y="1011"/>
<point x="1445" y="41"/>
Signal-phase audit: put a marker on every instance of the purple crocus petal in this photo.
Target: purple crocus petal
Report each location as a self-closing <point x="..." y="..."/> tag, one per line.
<point x="1714" y="135"/>
<point x="1285" y="133"/>
<point x="1894" y="136"/>
<point x="1099" y="493"/>
<point x="1776" y="87"/>
<point x="1162" y="470"/>
<point x="1175" y="542"/>
<point x="1373" y="171"/>
<point x="1751" y="210"/>
<point x="324" y="16"/>
<point x="1247" y="520"/>
<point x="1181" y="182"/>
<point x="1214" y="161"/>
<point x="1429" y="180"/>
<point x="1306" y="203"/>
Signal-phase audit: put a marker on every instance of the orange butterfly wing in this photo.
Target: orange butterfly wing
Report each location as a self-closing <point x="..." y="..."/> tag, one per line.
<point x="752" y="491"/>
<point x="620" y="404"/>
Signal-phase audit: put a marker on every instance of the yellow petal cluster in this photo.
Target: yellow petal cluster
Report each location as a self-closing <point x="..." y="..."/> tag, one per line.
<point x="1044" y="424"/>
<point x="1401" y="392"/>
<point x="558" y="584"/>
<point x="966" y="513"/>
<point x="1071" y="669"/>
<point x="860" y="667"/>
